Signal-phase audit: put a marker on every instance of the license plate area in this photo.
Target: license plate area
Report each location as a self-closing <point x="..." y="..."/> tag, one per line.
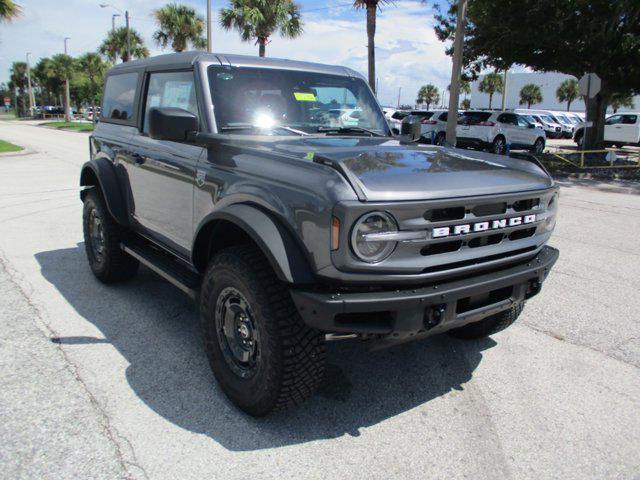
<point x="484" y="300"/>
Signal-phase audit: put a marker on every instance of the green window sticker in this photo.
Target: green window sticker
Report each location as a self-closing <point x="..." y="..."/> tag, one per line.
<point x="305" y="97"/>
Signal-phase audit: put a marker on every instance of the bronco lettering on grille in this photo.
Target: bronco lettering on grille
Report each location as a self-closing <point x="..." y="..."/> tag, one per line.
<point x="441" y="232"/>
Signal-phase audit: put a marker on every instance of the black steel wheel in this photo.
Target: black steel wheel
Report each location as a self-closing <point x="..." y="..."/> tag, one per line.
<point x="102" y="239"/>
<point x="263" y="356"/>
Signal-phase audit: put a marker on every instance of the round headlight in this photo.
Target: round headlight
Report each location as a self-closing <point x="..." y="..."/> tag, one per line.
<point x="367" y="237"/>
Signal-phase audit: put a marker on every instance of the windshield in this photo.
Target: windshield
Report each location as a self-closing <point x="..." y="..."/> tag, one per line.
<point x="286" y="102"/>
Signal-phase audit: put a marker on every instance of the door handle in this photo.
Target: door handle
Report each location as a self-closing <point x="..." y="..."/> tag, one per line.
<point x="138" y="159"/>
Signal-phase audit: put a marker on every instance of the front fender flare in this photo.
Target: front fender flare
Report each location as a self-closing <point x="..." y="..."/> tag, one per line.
<point x="102" y="172"/>
<point x="276" y="242"/>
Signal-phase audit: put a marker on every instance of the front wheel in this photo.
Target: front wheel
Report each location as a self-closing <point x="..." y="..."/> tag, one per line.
<point x="489" y="325"/>
<point x="261" y="353"/>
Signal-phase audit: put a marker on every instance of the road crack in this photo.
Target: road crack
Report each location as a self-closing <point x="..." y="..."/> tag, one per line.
<point x="130" y="467"/>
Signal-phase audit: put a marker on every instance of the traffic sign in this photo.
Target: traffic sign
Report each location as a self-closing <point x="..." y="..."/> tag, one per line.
<point x="7" y="101"/>
<point x="590" y="84"/>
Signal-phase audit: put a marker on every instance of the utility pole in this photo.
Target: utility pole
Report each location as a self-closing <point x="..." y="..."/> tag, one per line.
<point x="67" y="95"/>
<point x="32" y="100"/>
<point x="113" y="30"/>
<point x="209" y="49"/>
<point x="456" y="71"/>
<point x="399" y="92"/>
<point x="126" y="18"/>
<point x="504" y="90"/>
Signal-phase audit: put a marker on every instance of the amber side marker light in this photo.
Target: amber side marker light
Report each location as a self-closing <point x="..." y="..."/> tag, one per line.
<point x="335" y="233"/>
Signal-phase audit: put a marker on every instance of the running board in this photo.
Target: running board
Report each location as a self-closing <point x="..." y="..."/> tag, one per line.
<point x="165" y="266"/>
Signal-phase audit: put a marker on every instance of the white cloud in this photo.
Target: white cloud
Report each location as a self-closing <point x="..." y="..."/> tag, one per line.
<point x="408" y="52"/>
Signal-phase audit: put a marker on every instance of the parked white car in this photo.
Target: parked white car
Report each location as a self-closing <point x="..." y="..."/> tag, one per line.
<point x="395" y="121"/>
<point x="433" y="125"/>
<point x="620" y="129"/>
<point x="551" y="128"/>
<point x="497" y="130"/>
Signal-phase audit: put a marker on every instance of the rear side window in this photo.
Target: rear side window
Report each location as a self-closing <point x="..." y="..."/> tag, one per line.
<point x="399" y="115"/>
<point x="629" y="119"/>
<point x="119" y="98"/>
<point x="422" y="115"/>
<point x="444" y="116"/>
<point x="474" y="118"/>
<point x="508" y="118"/>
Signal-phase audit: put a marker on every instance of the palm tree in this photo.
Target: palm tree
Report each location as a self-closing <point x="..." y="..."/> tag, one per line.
<point x="8" y="10"/>
<point x="179" y="25"/>
<point x="428" y="94"/>
<point x="465" y="104"/>
<point x="64" y="68"/>
<point x="18" y="80"/>
<point x="49" y="84"/>
<point x="465" y="87"/>
<point x="619" y="100"/>
<point x="260" y="19"/>
<point x="115" y="45"/>
<point x="568" y="91"/>
<point x="372" y="9"/>
<point x="530" y="94"/>
<point x="93" y="70"/>
<point x="491" y="84"/>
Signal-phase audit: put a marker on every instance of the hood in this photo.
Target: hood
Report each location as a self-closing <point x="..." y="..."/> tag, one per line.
<point x="382" y="169"/>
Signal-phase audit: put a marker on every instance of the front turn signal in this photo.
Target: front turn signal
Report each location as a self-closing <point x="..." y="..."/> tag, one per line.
<point x="335" y="233"/>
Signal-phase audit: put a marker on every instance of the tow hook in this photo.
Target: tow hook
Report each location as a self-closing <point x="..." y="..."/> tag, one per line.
<point x="434" y="316"/>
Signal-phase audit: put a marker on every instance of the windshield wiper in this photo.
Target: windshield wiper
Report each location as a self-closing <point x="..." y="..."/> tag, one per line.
<point x="349" y="130"/>
<point x="250" y="126"/>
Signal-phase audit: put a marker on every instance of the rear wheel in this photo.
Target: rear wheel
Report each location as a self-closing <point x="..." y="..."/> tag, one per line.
<point x="538" y="146"/>
<point x="580" y="140"/>
<point x="489" y="325"/>
<point x="102" y="239"/>
<point x="440" y="139"/>
<point x="261" y="353"/>
<point x="498" y="145"/>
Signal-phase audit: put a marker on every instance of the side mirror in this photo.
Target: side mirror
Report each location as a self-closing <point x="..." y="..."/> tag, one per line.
<point x="170" y="123"/>
<point x="410" y="129"/>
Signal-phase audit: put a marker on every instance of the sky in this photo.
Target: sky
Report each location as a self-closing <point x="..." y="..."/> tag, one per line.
<point x="408" y="53"/>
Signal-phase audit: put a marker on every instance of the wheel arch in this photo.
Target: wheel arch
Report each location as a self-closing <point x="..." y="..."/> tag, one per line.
<point x="243" y="223"/>
<point x="101" y="174"/>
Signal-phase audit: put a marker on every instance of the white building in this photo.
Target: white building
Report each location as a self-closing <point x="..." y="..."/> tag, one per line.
<point x="548" y="83"/>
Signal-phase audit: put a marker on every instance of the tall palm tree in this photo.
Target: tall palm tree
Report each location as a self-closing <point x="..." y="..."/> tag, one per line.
<point x="8" y="10"/>
<point x="372" y="9"/>
<point x="65" y="67"/>
<point x="491" y="84"/>
<point x="18" y="80"/>
<point x="619" y="100"/>
<point x="93" y="69"/>
<point x="179" y="25"/>
<point x="530" y="94"/>
<point x="49" y="85"/>
<point x="115" y="45"/>
<point x="568" y="91"/>
<point x="428" y="94"/>
<point x="260" y="19"/>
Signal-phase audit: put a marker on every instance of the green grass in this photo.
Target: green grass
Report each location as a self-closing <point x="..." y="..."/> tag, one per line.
<point x="79" y="127"/>
<point x="6" y="147"/>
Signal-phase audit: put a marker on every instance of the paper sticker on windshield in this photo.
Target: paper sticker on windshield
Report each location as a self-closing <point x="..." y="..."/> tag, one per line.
<point x="304" y="97"/>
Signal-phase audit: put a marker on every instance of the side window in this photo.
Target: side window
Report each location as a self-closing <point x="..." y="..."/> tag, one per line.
<point x="613" y="120"/>
<point x="119" y="98"/>
<point x="629" y="119"/>
<point x="522" y="122"/>
<point x="444" y="116"/>
<point x="507" y="118"/>
<point x="170" y="89"/>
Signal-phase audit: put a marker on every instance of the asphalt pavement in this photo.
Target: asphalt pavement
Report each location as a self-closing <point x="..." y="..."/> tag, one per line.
<point x="111" y="381"/>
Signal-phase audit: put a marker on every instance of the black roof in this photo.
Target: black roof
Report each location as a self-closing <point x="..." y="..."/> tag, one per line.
<point x="187" y="59"/>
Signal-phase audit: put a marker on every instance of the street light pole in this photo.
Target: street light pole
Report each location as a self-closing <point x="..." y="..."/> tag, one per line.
<point x="126" y="18"/>
<point x="209" y="48"/>
<point x="504" y="90"/>
<point x="30" y="91"/>
<point x="456" y="71"/>
<point x="67" y="95"/>
<point x="113" y="21"/>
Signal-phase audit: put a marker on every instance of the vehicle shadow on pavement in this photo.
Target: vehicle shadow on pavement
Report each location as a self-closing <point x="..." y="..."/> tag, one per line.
<point x="155" y="327"/>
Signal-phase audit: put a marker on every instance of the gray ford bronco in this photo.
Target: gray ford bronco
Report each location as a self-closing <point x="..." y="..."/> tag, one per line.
<point x="273" y="193"/>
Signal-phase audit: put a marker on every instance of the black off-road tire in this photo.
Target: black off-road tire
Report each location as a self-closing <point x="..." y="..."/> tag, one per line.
<point x="291" y="357"/>
<point x="113" y="265"/>
<point x="489" y="325"/>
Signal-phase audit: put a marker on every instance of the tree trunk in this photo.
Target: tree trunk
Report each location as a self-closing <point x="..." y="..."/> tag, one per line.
<point x="490" y="100"/>
<point x="93" y="113"/>
<point x="528" y="105"/>
<point x="371" y="36"/>
<point x="428" y="105"/>
<point x="596" y="112"/>
<point x="262" y="49"/>
<point x="568" y="105"/>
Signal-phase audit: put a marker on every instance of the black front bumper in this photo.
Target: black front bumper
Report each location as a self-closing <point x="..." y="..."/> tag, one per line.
<point x="404" y="314"/>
